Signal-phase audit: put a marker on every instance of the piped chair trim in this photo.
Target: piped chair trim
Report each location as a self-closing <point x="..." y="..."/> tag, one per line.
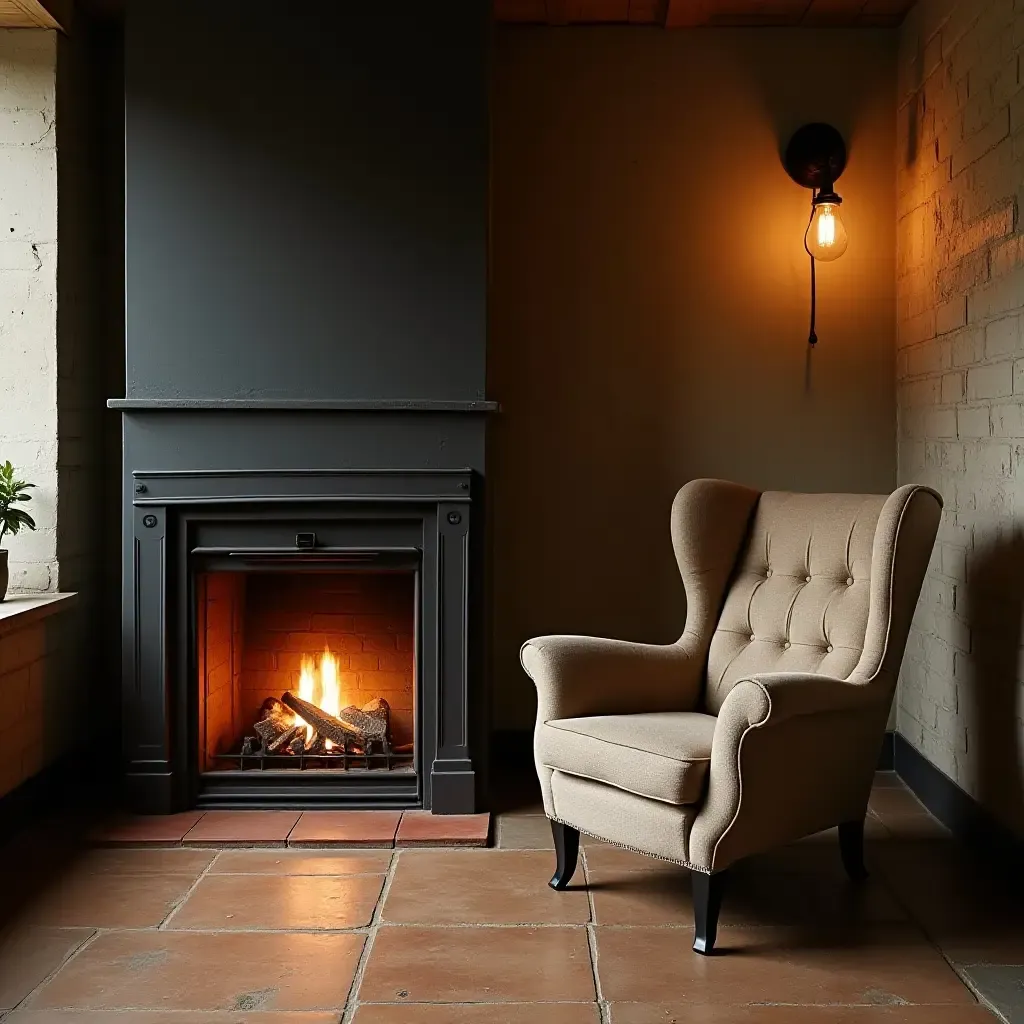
<point x="632" y="849"/>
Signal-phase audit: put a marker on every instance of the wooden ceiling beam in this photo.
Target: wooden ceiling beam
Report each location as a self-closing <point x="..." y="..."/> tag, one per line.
<point x="48" y="14"/>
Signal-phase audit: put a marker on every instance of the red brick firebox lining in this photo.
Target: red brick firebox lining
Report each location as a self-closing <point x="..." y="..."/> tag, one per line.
<point x="297" y="829"/>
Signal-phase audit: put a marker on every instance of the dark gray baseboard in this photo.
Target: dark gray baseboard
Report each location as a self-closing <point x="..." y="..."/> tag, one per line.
<point x="968" y="820"/>
<point x="887" y="756"/>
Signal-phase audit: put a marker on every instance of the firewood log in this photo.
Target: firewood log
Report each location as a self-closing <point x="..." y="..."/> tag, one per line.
<point x="371" y="727"/>
<point x="274" y="720"/>
<point x="379" y="708"/>
<point x="282" y="742"/>
<point x="331" y="728"/>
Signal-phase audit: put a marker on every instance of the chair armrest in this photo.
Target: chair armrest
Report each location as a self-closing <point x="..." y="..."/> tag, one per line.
<point x="792" y="753"/>
<point x="584" y="675"/>
<point x="772" y="697"/>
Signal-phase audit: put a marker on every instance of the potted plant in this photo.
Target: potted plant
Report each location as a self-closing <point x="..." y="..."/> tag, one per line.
<point x="12" y="492"/>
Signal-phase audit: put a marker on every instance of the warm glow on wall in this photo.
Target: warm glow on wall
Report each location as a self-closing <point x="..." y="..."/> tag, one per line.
<point x="815" y="157"/>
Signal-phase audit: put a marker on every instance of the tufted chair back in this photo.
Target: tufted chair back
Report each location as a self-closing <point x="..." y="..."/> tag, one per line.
<point x="798" y="600"/>
<point x="813" y="583"/>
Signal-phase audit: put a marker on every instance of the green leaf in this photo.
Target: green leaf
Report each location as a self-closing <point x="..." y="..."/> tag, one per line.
<point x="16" y="518"/>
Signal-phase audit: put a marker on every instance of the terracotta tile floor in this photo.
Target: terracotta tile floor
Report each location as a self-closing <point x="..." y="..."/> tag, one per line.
<point x="301" y="830"/>
<point x="184" y="935"/>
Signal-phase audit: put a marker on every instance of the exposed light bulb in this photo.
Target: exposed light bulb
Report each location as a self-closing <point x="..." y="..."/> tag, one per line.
<point x="826" y="237"/>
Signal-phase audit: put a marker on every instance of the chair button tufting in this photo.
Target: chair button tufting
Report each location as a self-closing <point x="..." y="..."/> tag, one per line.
<point x="849" y="581"/>
<point x="829" y="648"/>
<point x="786" y="645"/>
<point x="767" y="573"/>
<point x="751" y="637"/>
<point x="807" y="579"/>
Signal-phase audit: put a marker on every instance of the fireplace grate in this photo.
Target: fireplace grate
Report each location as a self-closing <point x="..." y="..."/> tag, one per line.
<point x="334" y="762"/>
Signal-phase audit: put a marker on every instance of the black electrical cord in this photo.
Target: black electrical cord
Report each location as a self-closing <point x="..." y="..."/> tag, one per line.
<point x="812" y="337"/>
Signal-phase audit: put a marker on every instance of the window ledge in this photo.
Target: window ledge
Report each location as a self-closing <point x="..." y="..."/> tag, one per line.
<point x="20" y="610"/>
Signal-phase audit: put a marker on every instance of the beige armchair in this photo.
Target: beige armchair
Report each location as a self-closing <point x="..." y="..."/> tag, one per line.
<point x="763" y="723"/>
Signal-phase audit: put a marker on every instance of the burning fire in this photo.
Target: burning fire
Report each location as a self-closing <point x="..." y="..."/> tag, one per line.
<point x="320" y="685"/>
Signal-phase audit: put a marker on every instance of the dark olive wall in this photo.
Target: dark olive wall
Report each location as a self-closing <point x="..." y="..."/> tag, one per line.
<point x="649" y="306"/>
<point x="306" y="199"/>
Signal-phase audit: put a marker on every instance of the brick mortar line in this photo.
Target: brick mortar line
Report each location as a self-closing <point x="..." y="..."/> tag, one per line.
<point x="352" y="998"/>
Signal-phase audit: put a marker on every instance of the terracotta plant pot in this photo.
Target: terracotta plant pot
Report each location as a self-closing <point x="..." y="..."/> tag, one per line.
<point x="3" y="574"/>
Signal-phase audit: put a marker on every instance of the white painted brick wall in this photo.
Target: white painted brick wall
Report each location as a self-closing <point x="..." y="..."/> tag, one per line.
<point x="28" y="291"/>
<point x="960" y="369"/>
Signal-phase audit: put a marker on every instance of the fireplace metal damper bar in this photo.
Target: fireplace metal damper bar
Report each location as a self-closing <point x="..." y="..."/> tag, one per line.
<point x="300" y="640"/>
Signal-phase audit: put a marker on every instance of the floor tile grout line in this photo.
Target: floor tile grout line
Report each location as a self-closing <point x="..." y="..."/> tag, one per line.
<point x="184" y="899"/>
<point x="603" y="1008"/>
<point x="84" y="944"/>
<point x="983" y="1000"/>
<point x="467" y="926"/>
<point x="352" y="999"/>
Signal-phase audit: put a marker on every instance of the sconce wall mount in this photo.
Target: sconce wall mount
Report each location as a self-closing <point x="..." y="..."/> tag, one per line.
<point x="814" y="158"/>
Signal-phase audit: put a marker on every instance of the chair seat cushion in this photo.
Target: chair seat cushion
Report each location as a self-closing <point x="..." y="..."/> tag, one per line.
<point x="660" y="755"/>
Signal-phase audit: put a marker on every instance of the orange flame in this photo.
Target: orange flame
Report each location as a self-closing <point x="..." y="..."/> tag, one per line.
<point x="320" y="685"/>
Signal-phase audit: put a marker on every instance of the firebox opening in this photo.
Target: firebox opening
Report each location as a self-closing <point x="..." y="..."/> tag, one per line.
<point x="306" y="670"/>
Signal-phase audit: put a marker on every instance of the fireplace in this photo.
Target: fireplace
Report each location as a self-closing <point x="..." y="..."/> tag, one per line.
<point x="301" y="639"/>
<point x="273" y="639"/>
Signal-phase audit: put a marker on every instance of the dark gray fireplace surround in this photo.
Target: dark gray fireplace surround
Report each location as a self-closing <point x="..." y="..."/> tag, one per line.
<point x="306" y="278"/>
<point x="187" y="500"/>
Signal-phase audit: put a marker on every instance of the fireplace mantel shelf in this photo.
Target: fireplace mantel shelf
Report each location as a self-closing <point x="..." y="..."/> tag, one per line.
<point x="303" y="404"/>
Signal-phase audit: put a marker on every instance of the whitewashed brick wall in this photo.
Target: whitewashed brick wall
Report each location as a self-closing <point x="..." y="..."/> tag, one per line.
<point x="28" y="291"/>
<point x="960" y="370"/>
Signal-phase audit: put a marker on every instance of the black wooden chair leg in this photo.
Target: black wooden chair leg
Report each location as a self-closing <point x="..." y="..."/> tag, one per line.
<point x="707" y="902"/>
<point x="851" y="849"/>
<point x="567" y="850"/>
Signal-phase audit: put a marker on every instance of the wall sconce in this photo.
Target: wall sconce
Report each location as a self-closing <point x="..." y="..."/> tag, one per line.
<point x="814" y="158"/>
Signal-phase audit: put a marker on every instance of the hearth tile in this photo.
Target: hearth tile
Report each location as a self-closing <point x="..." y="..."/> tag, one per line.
<point x="29" y="955"/>
<point x="421" y="828"/>
<point x="242" y="828"/>
<point x="172" y="1017"/>
<point x="480" y="1013"/>
<point x="142" y="829"/>
<point x="316" y="829"/>
<point x="312" y="862"/>
<point x="884" y="966"/>
<point x="83" y="899"/>
<point x="464" y="965"/>
<point x="280" y="902"/>
<point x="480" y="887"/>
<point x="667" y="1013"/>
<point x="240" y="971"/>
